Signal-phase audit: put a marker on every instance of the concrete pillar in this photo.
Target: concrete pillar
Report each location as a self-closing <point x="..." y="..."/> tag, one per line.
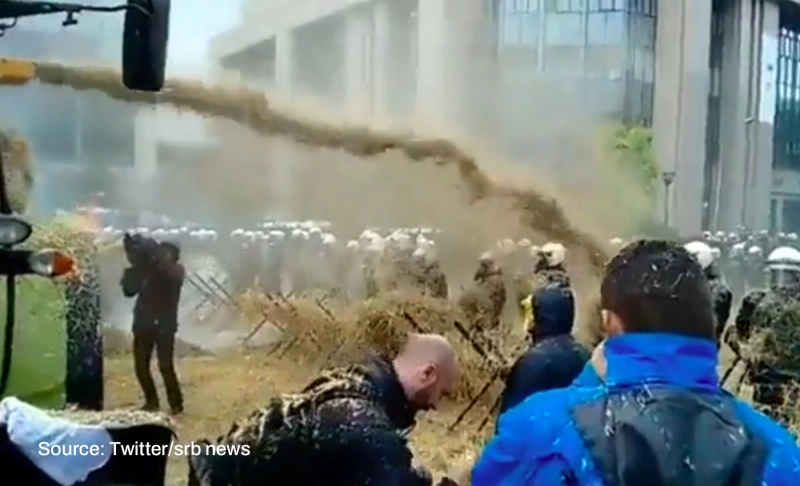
<point x="357" y="73"/>
<point x="682" y="82"/>
<point x="284" y="61"/>
<point x="281" y="153"/>
<point x="431" y="58"/>
<point x="379" y="54"/>
<point x="759" y="186"/>
<point x="748" y="111"/>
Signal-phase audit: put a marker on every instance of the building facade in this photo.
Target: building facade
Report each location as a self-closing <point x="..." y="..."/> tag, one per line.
<point x="718" y="80"/>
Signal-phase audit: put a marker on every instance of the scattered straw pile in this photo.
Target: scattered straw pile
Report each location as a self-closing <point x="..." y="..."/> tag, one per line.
<point x="340" y="334"/>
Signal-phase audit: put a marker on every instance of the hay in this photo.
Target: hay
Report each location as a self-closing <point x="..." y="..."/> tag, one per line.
<point x="118" y="342"/>
<point x="112" y="418"/>
<point x="251" y="108"/>
<point x="381" y="324"/>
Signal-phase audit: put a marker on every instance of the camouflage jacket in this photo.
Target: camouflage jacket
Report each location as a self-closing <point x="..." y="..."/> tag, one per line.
<point x="723" y="299"/>
<point x="343" y="429"/>
<point x="768" y="324"/>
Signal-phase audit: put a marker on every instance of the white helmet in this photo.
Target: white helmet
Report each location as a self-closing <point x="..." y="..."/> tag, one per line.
<point x="784" y="257"/>
<point x="783" y="264"/>
<point x="701" y="252"/>
<point x="402" y="239"/>
<point x="524" y="243"/>
<point x="554" y="253"/>
<point x="376" y="244"/>
<point x="616" y="242"/>
<point x="367" y="235"/>
<point x="328" y="239"/>
<point x="352" y="245"/>
<point x="426" y="253"/>
<point x="738" y="249"/>
<point x="716" y="253"/>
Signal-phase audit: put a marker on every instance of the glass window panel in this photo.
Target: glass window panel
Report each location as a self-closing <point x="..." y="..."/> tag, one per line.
<point x="597" y="28"/>
<point x="529" y="30"/>
<point x="615" y="27"/>
<point x="564" y="29"/>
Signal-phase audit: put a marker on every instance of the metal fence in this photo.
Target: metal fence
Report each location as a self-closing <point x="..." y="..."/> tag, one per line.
<point x="209" y="294"/>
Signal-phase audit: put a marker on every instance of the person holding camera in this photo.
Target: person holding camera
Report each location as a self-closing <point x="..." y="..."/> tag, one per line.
<point x="155" y="278"/>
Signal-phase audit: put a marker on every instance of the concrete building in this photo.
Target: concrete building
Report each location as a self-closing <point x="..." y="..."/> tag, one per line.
<point x="718" y="80"/>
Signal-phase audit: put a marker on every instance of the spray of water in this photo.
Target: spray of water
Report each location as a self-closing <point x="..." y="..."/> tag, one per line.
<point x="252" y="109"/>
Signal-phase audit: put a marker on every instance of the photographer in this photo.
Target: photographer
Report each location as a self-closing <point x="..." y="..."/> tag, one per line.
<point x="155" y="278"/>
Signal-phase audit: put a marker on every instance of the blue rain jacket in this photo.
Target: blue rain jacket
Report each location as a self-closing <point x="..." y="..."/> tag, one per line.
<point x="539" y="444"/>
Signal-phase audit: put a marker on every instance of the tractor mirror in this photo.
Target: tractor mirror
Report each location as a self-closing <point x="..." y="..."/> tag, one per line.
<point x="144" y="44"/>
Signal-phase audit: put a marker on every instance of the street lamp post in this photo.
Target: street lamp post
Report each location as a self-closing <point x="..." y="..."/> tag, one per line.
<point x="668" y="177"/>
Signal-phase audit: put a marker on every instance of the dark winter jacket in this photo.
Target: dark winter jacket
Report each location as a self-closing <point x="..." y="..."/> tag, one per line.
<point x="555" y="359"/>
<point x="344" y="429"/>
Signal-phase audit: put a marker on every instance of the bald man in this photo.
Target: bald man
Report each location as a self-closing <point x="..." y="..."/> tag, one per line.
<point x="346" y="428"/>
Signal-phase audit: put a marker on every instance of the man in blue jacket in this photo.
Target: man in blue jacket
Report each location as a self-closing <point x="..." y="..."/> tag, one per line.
<point x="657" y="415"/>
<point x="555" y="359"/>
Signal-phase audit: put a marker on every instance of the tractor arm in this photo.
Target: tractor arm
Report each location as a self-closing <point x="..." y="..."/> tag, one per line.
<point x="11" y="9"/>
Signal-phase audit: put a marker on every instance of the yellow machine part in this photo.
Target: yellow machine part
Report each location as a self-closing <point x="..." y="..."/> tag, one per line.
<point x="16" y="71"/>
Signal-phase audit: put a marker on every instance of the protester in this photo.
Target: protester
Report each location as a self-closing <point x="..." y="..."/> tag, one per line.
<point x="155" y="278"/>
<point x="347" y="428"/>
<point x="554" y="359"/>
<point x="661" y="416"/>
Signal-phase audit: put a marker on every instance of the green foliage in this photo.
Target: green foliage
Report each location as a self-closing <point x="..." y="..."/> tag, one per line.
<point x="39" y="350"/>
<point x="633" y="153"/>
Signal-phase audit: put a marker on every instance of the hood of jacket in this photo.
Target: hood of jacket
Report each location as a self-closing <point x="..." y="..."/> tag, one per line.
<point x="553" y="310"/>
<point x="635" y="358"/>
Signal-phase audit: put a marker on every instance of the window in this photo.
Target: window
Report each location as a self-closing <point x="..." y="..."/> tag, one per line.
<point x="606" y="28"/>
<point x="519" y="23"/>
<point x="786" y="140"/>
<point x="790" y="215"/>
<point x="564" y="29"/>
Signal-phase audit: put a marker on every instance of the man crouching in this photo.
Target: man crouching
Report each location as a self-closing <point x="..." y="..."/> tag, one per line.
<point x="346" y="428"/>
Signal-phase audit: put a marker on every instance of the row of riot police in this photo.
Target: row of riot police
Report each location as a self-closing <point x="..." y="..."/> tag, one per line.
<point x="765" y="334"/>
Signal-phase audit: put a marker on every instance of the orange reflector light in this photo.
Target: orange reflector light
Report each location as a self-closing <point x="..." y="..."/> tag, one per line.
<point x="51" y="263"/>
<point x="15" y="71"/>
